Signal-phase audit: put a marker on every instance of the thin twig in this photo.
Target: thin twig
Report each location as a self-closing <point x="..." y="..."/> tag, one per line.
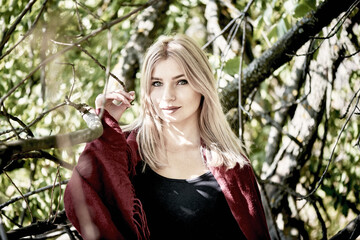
<point x="241" y="15"/>
<point x="341" y="21"/>
<point x="107" y="75"/>
<point x="8" y="120"/>
<point x="332" y="32"/>
<point x="81" y="26"/>
<point x="73" y="72"/>
<point x="10" y="219"/>
<point x="60" y="194"/>
<point x="88" y="11"/>
<point x="9" y="130"/>
<point x="27" y="33"/>
<point x="41" y="154"/>
<point x="52" y="193"/>
<point x="28" y="194"/>
<point x="321" y="220"/>
<point x="23" y="197"/>
<point x="231" y="37"/>
<point x="332" y="151"/>
<point x="2" y="230"/>
<point x="241" y="75"/>
<point x="349" y="105"/>
<point x="351" y="54"/>
<point x="93" y="58"/>
<point x="8" y="33"/>
<point x="85" y="38"/>
<point x="27" y="127"/>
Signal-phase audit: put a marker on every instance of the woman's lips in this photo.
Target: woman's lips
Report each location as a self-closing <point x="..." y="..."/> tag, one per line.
<point x="170" y="110"/>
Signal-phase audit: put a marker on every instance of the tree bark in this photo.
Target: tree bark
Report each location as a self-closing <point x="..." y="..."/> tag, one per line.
<point x="147" y="24"/>
<point x="351" y="231"/>
<point x="94" y="130"/>
<point x="304" y="125"/>
<point x="290" y="94"/>
<point x="39" y="227"/>
<point x="283" y="50"/>
<point x="213" y="28"/>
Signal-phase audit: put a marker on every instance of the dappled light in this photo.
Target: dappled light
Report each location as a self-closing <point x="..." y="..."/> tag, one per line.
<point x="288" y="79"/>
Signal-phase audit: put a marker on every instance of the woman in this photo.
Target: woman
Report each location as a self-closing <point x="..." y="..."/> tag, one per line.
<point x="178" y="171"/>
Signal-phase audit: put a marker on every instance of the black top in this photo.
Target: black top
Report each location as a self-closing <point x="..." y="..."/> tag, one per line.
<point x="185" y="209"/>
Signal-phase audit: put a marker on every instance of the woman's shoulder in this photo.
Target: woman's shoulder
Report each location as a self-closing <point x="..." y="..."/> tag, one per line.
<point x="131" y="134"/>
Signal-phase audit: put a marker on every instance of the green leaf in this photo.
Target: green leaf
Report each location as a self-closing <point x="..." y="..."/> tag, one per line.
<point x="301" y="10"/>
<point x="281" y="28"/>
<point x="310" y="3"/>
<point x="232" y="66"/>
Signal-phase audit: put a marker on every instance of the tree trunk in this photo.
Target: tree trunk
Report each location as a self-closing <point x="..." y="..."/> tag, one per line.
<point x="147" y="24"/>
<point x="283" y="50"/>
<point x="303" y="126"/>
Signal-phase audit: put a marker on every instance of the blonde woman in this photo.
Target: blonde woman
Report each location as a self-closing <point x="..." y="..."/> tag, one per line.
<point x="178" y="171"/>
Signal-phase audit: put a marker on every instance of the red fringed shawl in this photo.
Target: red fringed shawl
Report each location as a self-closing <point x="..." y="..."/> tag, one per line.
<point x="100" y="199"/>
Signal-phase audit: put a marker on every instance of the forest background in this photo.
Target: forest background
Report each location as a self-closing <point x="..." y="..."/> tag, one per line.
<point x="288" y="76"/>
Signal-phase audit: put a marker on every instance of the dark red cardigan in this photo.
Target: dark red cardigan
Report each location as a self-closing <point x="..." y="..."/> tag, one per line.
<point x="100" y="199"/>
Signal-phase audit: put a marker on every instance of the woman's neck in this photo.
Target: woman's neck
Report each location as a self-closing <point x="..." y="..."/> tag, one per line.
<point x="181" y="137"/>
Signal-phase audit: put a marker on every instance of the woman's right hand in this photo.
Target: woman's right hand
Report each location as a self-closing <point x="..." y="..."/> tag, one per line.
<point x="106" y="101"/>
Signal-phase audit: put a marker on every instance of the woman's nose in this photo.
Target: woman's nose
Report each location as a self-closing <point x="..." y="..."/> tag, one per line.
<point x="169" y="93"/>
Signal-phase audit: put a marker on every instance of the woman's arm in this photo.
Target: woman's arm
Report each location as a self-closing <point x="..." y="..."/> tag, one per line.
<point x="99" y="198"/>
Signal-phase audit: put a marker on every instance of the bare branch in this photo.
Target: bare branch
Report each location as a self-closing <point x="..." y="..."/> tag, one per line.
<point x="94" y="130"/>
<point x="52" y="195"/>
<point x="282" y="51"/>
<point x="88" y="11"/>
<point x="38" y="227"/>
<point x="333" y="150"/>
<point x="61" y="52"/>
<point x="3" y="235"/>
<point x="322" y="222"/>
<point x="23" y="197"/>
<point x="93" y="58"/>
<point x="40" y="154"/>
<point x="351" y="231"/>
<point x="73" y="72"/>
<point x="28" y="32"/>
<point x="240" y="107"/>
<point x="8" y="120"/>
<point x="26" y="195"/>
<point x="240" y="16"/>
<point x="8" y="33"/>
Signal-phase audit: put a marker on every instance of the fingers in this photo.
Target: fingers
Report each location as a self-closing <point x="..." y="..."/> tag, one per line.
<point x="117" y="98"/>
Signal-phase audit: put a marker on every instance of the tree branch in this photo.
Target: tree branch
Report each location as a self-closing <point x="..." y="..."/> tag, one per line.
<point x="26" y="195"/>
<point x="145" y="29"/>
<point x="283" y="50"/>
<point x="94" y="130"/>
<point x="8" y="33"/>
<point x="38" y="227"/>
<point x="61" y="52"/>
<point x="351" y="231"/>
<point x="41" y="154"/>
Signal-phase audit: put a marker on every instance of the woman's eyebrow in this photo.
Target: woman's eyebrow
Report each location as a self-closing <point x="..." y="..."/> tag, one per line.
<point x="176" y="77"/>
<point x="179" y="76"/>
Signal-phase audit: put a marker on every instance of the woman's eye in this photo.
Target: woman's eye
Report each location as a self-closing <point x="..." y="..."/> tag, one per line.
<point x="156" y="84"/>
<point x="182" y="82"/>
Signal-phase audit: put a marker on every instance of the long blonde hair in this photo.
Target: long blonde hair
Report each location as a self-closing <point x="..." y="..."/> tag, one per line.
<point x="221" y="144"/>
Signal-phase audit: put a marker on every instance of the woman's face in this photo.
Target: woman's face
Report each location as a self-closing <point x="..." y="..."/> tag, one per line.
<point x="174" y="100"/>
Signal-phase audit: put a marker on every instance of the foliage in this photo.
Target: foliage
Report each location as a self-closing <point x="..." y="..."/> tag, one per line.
<point x="67" y="21"/>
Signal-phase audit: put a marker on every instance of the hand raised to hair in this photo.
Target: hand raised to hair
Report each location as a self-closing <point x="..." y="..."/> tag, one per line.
<point x="110" y="98"/>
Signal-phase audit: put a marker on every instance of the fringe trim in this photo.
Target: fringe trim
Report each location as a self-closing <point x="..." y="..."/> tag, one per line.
<point x="139" y="218"/>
